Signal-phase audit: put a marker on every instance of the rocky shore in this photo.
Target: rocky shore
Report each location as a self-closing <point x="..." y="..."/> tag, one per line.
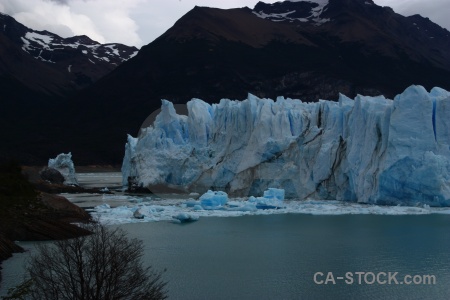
<point x="30" y="210"/>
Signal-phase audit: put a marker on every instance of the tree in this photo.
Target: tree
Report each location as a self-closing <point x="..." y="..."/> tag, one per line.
<point x="20" y="292"/>
<point x="104" y="265"/>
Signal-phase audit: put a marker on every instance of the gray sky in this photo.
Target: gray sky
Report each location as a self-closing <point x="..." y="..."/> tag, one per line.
<point x="138" y="22"/>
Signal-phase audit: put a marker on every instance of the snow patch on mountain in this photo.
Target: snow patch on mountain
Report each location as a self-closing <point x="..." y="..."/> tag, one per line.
<point x="317" y="11"/>
<point x="277" y="16"/>
<point x="369" y="150"/>
<point x="321" y="3"/>
<point x="317" y="7"/>
<point x="114" y="49"/>
<point x="41" y="39"/>
<point x="42" y="44"/>
<point x="133" y="54"/>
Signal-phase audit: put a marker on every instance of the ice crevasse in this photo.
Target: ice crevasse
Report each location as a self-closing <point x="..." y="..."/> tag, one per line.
<point x="367" y="149"/>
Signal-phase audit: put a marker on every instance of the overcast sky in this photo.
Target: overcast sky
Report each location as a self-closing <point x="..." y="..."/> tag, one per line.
<point x="138" y="22"/>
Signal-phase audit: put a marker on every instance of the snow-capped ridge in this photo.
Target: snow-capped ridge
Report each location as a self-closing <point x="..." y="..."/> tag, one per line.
<point x="37" y="42"/>
<point x="52" y="48"/>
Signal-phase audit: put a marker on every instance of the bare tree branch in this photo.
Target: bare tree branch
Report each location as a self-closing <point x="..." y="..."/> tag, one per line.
<point x="104" y="265"/>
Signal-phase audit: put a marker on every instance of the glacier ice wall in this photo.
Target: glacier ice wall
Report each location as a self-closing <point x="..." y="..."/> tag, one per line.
<point x="367" y="149"/>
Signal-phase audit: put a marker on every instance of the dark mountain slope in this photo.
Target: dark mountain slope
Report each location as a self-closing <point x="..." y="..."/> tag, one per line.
<point x="47" y="64"/>
<point x="38" y="71"/>
<point x="307" y="50"/>
<point x="213" y="53"/>
<point x="345" y="46"/>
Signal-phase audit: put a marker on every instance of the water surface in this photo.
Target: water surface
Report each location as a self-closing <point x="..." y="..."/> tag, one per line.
<point x="276" y="256"/>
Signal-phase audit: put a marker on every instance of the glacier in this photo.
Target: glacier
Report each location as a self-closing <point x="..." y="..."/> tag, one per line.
<point x="367" y="150"/>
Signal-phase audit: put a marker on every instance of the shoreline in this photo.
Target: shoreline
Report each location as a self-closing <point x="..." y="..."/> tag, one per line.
<point x="31" y="210"/>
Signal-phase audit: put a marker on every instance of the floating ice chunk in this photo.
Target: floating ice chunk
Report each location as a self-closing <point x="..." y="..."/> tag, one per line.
<point x="64" y="164"/>
<point x="213" y="199"/>
<point x="185" y="218"/>
<point x="273" y="199"/>
<point x="102" y="206"/>
<point x="138" y="214"/>
<point x="122" y="212"/>
<point x="167" y="209"/>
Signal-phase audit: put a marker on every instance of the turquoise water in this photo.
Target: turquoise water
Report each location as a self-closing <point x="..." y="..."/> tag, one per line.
<point x="276" y="256"/>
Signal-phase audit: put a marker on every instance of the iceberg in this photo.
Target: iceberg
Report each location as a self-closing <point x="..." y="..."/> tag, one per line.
<point x="185" y="218"/>
<point x="64" y="164"/>
<point x="213" y="199"/>
<point x="138" y="214"/>
<point x="366" y="150"/>
<point x="272" y="199"/>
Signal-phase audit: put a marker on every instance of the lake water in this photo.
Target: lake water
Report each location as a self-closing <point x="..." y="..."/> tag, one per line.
<point x="276" y="256"/>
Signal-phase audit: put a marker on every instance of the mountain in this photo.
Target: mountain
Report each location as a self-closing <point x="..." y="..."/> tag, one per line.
<point x="38" y="71"/>
<point x="304" y="49"/>
<point x="308" y="50"/>
<point x="43" y="64"/>
<point x="367" y="149"/>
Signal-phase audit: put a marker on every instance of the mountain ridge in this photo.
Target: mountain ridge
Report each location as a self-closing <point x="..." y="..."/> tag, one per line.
<point x="65" y="64"/>
<point x="213" y="53"/>
<point x="192" y="28"/>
